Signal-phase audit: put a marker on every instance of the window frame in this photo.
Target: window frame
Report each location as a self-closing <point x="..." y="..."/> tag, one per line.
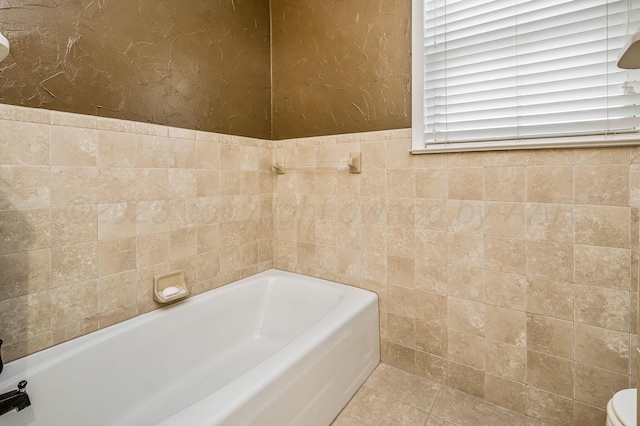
<point x="418" y="145"/>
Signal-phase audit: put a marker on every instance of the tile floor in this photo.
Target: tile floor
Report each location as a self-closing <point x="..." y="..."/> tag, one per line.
<point x="396" y="398"/>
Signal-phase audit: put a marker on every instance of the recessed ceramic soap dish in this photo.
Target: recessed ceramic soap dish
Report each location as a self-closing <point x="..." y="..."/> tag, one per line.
<point x="169" y="287"/>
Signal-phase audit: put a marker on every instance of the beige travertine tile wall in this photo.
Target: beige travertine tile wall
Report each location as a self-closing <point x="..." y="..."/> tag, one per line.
<point x="92" y="208"/>
<point x="508" y="275"/>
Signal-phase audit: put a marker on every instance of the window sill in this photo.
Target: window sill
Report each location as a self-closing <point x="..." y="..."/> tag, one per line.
<point x="550" y="143"/>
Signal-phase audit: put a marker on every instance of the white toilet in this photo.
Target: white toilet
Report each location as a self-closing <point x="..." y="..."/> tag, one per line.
<point x="621" y="409"/>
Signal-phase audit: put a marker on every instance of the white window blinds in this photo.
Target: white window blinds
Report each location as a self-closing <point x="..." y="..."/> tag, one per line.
<point x="517" y="70"/>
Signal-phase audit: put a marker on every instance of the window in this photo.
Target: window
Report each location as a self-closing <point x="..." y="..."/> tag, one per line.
<point x="510" y="74"/>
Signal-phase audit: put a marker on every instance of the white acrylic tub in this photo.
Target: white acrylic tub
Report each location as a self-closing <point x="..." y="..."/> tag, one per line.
<point x="273" y="349"/>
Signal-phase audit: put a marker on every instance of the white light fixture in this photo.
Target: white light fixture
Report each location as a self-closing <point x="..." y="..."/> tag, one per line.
<point x="4" y="47"/>
<point x="629" y="58"/>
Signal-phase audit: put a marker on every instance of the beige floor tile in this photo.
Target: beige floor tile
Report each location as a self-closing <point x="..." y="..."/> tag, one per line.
<point x="408" y="388"/>
<point x="394" y="397"/>
<point x="463" y="410"/>
<point x="435" y="421"/>
<point x="372" y="408"/>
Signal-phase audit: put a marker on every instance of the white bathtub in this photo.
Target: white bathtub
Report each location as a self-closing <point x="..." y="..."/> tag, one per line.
<point x="273" y="349"/>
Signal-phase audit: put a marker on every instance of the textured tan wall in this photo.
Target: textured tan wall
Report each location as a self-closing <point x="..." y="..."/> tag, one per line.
<point x="509" y="275"/>
<point x="340" y="66"/>
<point x="92" y="208"/>
<point x="193" y="64"/>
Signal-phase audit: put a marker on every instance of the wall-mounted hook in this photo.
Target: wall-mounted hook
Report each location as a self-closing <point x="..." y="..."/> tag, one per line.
<point x="355" y="162"/>
<point x="278" y="167"/>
